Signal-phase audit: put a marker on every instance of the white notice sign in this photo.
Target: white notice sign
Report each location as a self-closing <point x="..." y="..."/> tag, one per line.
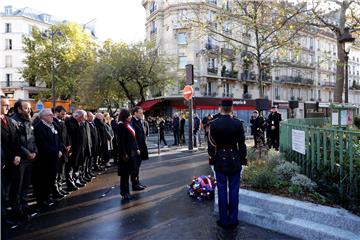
<point x="298" y="141"/>
<point x="335" y="118"/>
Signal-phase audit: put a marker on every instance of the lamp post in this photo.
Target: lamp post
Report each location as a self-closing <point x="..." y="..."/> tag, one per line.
<point x="47" y="34"/>
<point x="346" y="40"/>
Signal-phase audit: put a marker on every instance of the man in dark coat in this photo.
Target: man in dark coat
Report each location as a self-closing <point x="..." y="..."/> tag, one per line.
<point x="176" y="129"/>
<point x="182" y="129"/>
<point x="95" y="143"/>
<point x="59" y="123"/>
<point x="46" y="165"/>
<point x="273" y="122"/>
<point x="137" y="124"/>
<point x="28" y="152"/>
<point x="227" y="152"/>
<point x="10" y="160"/>
<point x="76" y="134"/>
<point x="103" y="147"/>
<point x="196" y="128"/>
<point x="257" y="128"/>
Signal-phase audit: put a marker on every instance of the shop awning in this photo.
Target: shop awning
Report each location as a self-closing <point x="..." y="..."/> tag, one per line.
<point x="149" y="104"/>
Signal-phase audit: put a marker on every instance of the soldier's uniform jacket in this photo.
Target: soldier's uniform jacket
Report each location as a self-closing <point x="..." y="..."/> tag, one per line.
<point x="227" y="149"/>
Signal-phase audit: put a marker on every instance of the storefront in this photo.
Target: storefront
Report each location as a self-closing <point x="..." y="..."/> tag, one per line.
<point x="204" y="106"/>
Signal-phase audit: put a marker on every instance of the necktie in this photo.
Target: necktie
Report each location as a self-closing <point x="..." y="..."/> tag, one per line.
<point x="4" y="122"/>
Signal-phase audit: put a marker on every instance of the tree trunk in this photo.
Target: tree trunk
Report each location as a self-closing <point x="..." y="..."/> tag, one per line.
<point x="127" y="93"/>
<point x="341" y="55"/>
<point x="259" y="79"/>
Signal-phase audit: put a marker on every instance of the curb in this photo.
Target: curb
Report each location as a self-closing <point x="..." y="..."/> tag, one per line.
<point x="295" y="218"/>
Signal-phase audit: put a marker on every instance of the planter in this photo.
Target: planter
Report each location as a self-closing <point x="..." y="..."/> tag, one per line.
<point x="295" y="218"/>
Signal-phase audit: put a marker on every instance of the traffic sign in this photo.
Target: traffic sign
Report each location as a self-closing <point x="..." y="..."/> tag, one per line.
<point x="39" y="105"/>
<point x="188" y="92"/>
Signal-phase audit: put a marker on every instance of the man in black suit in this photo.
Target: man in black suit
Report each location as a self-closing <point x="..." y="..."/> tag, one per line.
<point x="59" y="123"/>
<point x="103" y="147"/>
<point x="76" y="135"/>
<point x="176" y="129"/>
<point x="182" y="128"/>
<point x="196" y="128"/>
<point x="227" y="152"/>
<point x="273" y="122"/>
<point x="28" y="152"/>
<point x="137" y="124"/>
<point x="50" y="150"/>
<point x="95" y="143"/>
<point x="10" y="159"/>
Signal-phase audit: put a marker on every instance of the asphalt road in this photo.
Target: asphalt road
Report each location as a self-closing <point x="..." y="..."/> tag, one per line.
<point x="162" y="211"/>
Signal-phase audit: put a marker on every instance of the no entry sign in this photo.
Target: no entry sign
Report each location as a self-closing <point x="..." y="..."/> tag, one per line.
<point x="188" y="92"/>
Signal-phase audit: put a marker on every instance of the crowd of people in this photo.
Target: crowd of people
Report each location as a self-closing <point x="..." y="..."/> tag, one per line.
<point x="58" y="153"/>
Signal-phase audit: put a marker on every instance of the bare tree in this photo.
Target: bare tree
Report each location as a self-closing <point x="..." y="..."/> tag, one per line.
<point x="258" y="28"/>
<point x="336" y="15"/>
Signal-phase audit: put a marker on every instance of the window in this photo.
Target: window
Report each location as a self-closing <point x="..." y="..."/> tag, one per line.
<point x="212" y="63"/>
<point x="212" y="2"/>
<point x="153" y="7"/>
<point x="211" y="16"/>
<point x="8" y="61"/>
<point x="227" y="27"/>
<point x="312" y="94"/>
<point x="291" y="92"/>
<point x="208" y="90"/>
<point x="226" y="92"/>
<point x="319" y="94"/>
<point x="182" y="38"/>
<point x="277" y="92"/>
<point x="8" y="79"/>
<point x="152" y="27"/>
<point x="8" y="44"/>
<point x="182" y="62"/>
<point x="8" y="27"/>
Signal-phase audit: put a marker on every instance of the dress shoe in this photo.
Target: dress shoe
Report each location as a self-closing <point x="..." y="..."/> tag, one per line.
<point x="82" y="180"/>
<point x="58" y="195"/>
<point x="92" y="174"/>
<point x="142" y="185"/>
<point x="64" y="192"/>
<point x="126" y="196"/>
<point x="138" y="188"/>
<point x="78" y="183"/>
<point x="86" y="179"/>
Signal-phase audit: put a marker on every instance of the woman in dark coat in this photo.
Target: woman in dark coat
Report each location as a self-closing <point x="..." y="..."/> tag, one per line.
<point x="128" y="152"/>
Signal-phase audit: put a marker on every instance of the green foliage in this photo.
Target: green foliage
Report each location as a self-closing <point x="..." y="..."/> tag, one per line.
<point x="294" y="189"/>
<point x="274" y="158"/>
<point x="74" y="52"/>
<point x="251" y="154"/>
<point x="303" y="182"/>
<point x="264" y="178"/>
<point x="134" y="70"/>
<point x="287" y="170"/>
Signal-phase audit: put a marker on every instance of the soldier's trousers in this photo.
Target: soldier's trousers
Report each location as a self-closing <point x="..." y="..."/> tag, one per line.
<point x="228" y="208"/>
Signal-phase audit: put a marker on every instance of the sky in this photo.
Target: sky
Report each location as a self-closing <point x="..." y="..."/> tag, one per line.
<point x="120" y="20"/>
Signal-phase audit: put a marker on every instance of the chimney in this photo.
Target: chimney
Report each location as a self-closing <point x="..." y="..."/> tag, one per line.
<point x="8" y="10"/>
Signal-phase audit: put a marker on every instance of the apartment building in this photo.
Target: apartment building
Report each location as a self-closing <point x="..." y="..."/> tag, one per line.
<point x="220" y="71"/>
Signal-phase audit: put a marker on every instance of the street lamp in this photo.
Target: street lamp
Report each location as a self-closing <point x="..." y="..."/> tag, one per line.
<point x="347" y="40"/>
<point x="47" y="34"/>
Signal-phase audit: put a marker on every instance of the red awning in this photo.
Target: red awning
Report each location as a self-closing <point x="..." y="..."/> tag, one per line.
<point x="149" y="104"/>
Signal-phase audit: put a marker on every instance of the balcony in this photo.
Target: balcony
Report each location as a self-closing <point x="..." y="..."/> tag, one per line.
<point x="212" y="47"/>
<point x="212" y="70"/>
<point x="294" y="80"/>
<point x="214" y="2"/>
<point x="230" y="74"/>
<point x="247" y="96"/>
<point x="328" y="84"/>
<point x="246" y="35"/>
<point x="246" y="76"/>
<point x="228" y="95"/>
<point x="228" y="52"/>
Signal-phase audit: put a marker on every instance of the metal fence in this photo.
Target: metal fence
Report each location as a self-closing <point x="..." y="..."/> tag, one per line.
<point x="332" y="155"/>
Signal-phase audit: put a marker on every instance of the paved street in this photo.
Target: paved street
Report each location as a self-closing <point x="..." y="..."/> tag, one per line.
<point x="162" y="211"/>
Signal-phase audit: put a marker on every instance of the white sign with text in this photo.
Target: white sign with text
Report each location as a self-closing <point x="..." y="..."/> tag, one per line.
<point x="298" y="141"/>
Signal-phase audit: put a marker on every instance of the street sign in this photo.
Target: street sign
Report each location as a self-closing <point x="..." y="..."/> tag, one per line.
<point x="188" y="92"/>
<point x="39" y="105"/>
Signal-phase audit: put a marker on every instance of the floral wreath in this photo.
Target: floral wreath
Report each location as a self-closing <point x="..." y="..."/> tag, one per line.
<point x="202" y="187"/>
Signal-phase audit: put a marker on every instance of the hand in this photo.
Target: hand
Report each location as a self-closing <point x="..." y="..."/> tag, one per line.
<point x="31" y="156"/>
<point x="68" y="148"/>
<point x="60" y="154"/>
<point x="272" y="127"/>
<point x="138" y="152"/>
<point x="17" y="160"/>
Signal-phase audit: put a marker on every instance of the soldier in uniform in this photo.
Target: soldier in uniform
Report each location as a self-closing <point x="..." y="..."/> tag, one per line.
<point x="273" y="122"/>
<point x="227" y="152"/>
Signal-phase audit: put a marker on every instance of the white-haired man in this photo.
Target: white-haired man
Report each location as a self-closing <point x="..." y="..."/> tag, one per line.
<point x="47" y="162"/>
<point x="76" y="135"/>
